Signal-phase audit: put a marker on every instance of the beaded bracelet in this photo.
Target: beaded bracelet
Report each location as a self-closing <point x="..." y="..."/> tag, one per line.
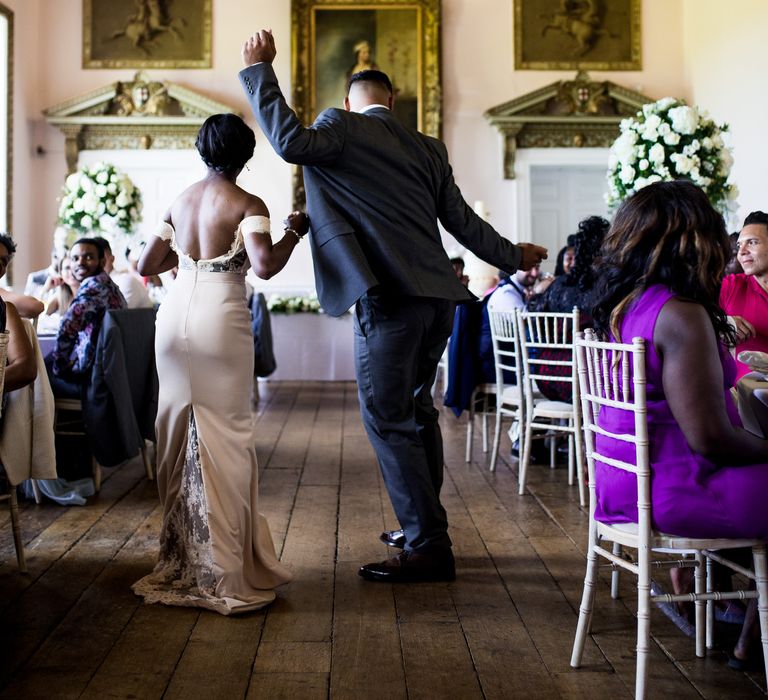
<point x="294" y="232"/>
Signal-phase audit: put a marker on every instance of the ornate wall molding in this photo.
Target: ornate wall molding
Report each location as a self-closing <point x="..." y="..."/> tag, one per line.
<point x="578" y="113"/>
<point x="138" y="114"/>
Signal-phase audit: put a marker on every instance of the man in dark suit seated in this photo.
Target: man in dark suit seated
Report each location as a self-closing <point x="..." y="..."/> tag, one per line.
<point x="375" y="190"/>
<point x="71" y="360"/>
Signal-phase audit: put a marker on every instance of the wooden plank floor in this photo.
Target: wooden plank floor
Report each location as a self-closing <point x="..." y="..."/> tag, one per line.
<point x="504" y="629"/>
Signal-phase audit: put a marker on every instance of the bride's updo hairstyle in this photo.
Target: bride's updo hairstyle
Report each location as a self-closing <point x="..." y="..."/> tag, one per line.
<point x="666" y="233"/>
<point x="225" y="143"/>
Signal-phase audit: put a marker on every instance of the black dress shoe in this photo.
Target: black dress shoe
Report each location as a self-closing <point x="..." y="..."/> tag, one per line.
<point x="411" y="567"/>
<point x="393" y="538"/>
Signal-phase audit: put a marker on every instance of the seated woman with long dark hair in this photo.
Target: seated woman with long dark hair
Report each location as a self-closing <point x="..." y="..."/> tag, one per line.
<point x="661" y="267"/>
<point x="575" y="288"/>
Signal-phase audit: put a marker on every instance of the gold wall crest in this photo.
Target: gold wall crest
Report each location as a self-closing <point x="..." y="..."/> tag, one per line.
<point x="140" y="113"/>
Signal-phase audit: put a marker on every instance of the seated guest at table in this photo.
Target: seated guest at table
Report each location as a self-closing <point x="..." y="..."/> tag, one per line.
<point x="36" y="280"/>
<point x="513" y="291"/>
<point x="60" y="290"/>
<point x="27" y="306"/>
<point x="565" y="258"/>
<point x="575" y="288"/>
<point x="58" y="293"/>
<point x="661" y="266"/>
<point x="744" y="297"/>
<point x="734" y="266"/>
<point x="20" y="368"/>
<point x="69" y="363"/>
<point x="134" y="292"/>
<point x="458" y="268"/>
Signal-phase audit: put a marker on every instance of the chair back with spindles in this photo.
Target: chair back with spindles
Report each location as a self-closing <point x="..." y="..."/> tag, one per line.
<point x="506" y="348"/>
<point x="612" y="378"/>
<point x="540" y="331"/>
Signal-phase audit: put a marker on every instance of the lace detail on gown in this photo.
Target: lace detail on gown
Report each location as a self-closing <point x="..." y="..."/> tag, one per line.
<point x="184" y="571"/>
<point x="234" y="260"/>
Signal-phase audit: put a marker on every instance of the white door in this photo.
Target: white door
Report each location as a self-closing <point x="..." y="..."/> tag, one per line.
<point x="561" y="196"/>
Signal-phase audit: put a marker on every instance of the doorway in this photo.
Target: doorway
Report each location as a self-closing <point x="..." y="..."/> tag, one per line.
<point x="561" y="196"/>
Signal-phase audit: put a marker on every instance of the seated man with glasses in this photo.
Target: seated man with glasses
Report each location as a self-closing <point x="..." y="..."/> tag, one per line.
<point x="70" y="362"/>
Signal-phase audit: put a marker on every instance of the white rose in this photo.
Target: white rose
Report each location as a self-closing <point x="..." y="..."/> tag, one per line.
<point x="664" y="129"/>
<point x="101" y="208"/>
<point x="102" y="178"/>
<point x="111" y="208"/>
<point x="640" y="183"/>
<point x="733" y="192"/>
<point x="726" y="161"/>
<point x="665" y="103"/>
<point x="72" y="182"/>
<point x="624" y="147"/>
<point x="717" y="140"/>
<point x="101" y="191"/>
<point x="112" y="188"/>
<point x="682" y="163"/>
<point x="643" y="164"/>
<point x="656" y="155"/>
<point x="653" y="178"/>
<point x="627" y="174"/>
<point x="121" y="214"/>
<point x="122" y="199"/>
<point x="86" y="184"/>
<point x="707" y="143"/>
<point x="86" y="222"/>
<point x="651" y="127"/>
<point x="672" y="139"/>
<point x="90" y="202"/>
<point x="684" y="119"/>
<point x="77" y="205"/>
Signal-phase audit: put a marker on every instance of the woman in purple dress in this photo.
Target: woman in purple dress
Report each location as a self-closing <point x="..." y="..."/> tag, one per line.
<point x="663" y="260"/>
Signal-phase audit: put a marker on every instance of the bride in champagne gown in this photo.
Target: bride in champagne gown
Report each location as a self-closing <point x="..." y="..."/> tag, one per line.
<point x="216" y="550"/>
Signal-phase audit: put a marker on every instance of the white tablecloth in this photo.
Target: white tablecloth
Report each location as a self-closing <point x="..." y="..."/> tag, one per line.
<point x="313" y="347"/>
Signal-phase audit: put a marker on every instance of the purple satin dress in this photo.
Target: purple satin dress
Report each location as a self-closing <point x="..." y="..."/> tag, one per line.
<point x="691" y="496"/>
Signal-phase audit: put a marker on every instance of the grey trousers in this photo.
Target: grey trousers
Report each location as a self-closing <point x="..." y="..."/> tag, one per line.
<point x="398" y="344"/>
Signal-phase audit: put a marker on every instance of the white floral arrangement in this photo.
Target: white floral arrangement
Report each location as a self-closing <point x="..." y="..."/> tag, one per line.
<point x="99" y="199"/>
<point x="669" y="140"/>
<point x="294" y="305"/>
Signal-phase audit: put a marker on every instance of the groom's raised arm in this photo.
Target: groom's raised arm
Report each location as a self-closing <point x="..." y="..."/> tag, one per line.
<point x="319" y="144"/>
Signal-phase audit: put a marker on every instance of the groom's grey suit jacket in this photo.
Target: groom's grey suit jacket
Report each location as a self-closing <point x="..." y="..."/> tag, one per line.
<point x="375" y="190"/>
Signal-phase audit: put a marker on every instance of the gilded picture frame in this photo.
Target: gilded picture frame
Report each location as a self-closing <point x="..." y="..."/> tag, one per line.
<point x="333" y="38"/>
<point x="147" y="33"/>
<point x="577" y="34"/>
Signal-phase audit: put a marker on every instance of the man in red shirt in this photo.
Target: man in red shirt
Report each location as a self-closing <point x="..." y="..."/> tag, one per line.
<point x="744" y="297"/>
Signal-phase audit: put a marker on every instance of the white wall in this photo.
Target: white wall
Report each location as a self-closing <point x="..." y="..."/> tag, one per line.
<point x="726" y="67"/>
<point x="477" y="74"/>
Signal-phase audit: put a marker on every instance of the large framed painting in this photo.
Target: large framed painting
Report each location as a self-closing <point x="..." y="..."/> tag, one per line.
<point x="147" y="34"/>
<point x="577" y="34"/>
<point x="332" y="39"/>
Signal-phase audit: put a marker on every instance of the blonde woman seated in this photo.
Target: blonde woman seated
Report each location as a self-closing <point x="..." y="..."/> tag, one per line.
<point x="216" y="550"/>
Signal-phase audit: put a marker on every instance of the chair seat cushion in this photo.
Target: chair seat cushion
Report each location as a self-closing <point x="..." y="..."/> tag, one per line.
<point x="661" y="540"/>
<point x="553" y="409"/>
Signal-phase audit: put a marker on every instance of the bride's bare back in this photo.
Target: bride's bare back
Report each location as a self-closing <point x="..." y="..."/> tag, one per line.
<point x="206" y="215"/>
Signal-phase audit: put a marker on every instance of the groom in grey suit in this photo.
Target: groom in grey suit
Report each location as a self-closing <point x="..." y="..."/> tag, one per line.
<point x="375" y="190"/>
